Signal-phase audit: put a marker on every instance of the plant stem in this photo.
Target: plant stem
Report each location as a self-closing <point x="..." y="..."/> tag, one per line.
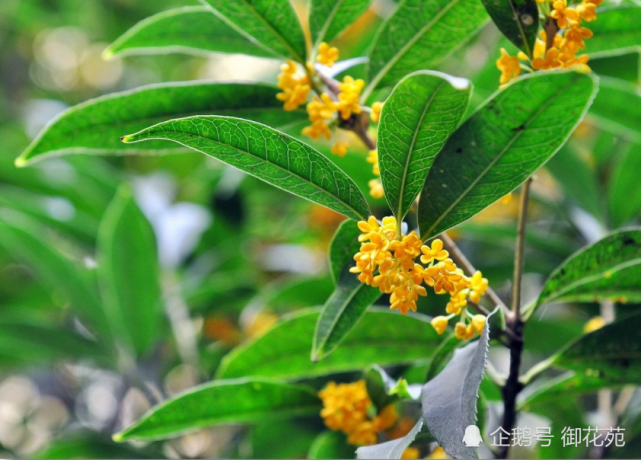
<point x="514" y="326"/>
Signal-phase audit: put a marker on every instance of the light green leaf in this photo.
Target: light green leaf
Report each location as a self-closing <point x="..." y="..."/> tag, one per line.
<point x="328" y="18"/>
<point x="192" y="30"/>
<point x="450" y="399"/>
<point x="390" y="449"/>
<point x="609" y="268"/>
<point x="129" y="275"/>
<point x="267" y="154"/>
<point x="96" y="126"/>
<point x="381" y="336"/>
<point x="419" y="35"/>
<point x="617" y="108"/>
<point x="617" y="30"/>
<point x="349" y="301"/>
<point x="221" y="402"/>
<point x="269" y="23"/>
<point x="330" y="444"/>
<point x="421" y="113"/>
<point x="518" y="20"/>
<point x="501" y="145"/>
<point x="623" y="186"/>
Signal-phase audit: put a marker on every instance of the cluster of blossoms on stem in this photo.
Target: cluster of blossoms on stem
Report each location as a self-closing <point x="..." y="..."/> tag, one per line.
<point x="347" y="407"/>
<point x="326" y="109"/>
<point x="564" y="46"/>
<point x="387" y="260"/>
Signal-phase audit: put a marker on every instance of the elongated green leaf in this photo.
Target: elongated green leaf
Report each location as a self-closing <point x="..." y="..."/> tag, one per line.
<point x="518" y="20"/>
<point x="617" y="108"/>
<point x="617" y="30"/>
<point x="349" y="301"/>
<point x="612" y="353"/>
<point x="269" y="23"/>
<point x="609" y="268"/>
<point x="230" y="401"/>
<point x="96" y="126"/>
<point x="330" y="444"/>
<point x="87" y="444"/>
<point x="381" y="336"/>
<point x="450" y="399"/>
<point x="328" y="18"/>
<point x="192" y="29"/>
<point x="623" y="187"/>
<point x="421" y="113"/>
<point x="270" y="155"/>
<point x="501" y="144"/>
<point x="419" y="35"/>
<point x="128" y="273"/>
<point x="390" y="449"/>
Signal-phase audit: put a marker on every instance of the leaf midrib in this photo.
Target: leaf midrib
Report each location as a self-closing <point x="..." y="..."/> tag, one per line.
<point x="528" y="51"/>
<point x="330" y="18"/>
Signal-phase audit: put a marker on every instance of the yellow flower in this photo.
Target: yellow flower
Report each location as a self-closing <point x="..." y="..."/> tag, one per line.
<point x="386" y="418"/>
<point x="340" y="148"/>
<point x="376" y="188"/>
<point x="438" y="452"/>
<point x="411" y="453"/>
<point x="478" y="323"/>
<point x="587" y="9"/>
<point x="372" y="158"/>
<point x="439" y="323"/>
<point x="552" y="60"/>
<point x="375" y="114"/>
<point x="563" y="14"/>
<point x="573" y="38"/>
<point x="478" y="285"/>
<point x="460" y="330"/>
<point x="295" y="86"/>
<point x="320" y="111"/>
<point x="348" y="98"/>
<point x="344" y="405"/>
<point x="595" y="323"/>
<point x="327" y="55"/>
<point x="436" y="252"/>
<point x="509" y="66"/>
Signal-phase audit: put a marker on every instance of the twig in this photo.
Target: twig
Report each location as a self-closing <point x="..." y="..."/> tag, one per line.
<point x="520" y="250"/>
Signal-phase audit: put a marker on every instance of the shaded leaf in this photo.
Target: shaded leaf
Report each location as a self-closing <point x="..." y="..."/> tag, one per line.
<point x="330" y="444"/>
<point x="328" y="18"/>
<point x="609" y="268"/>
<point x="267" y="154"/>
<point x="192" y="30"/>
<point x="450" y="399"/>
<point x="96" y="126"/>
<point x="268" y="23"/>
<point x="381" y="336"/>
<point x="616" y="31"/>
<point x="623" y="186"/>
<point x="418" y="117"/>
<point x="128" y="274"/>
<point x="518" y="20"/>
<point x="419" y="35"/>
<point x="501" y="145"/>
<point x="390" y="449"/>
<point x="89" y="445"/>
<point x="617" y="108"/>
<point x="220" y="402"/>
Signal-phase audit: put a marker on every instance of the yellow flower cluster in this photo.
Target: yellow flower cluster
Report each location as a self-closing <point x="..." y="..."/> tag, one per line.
<point x="345" y="408"/>
<point x="565" y="46"/>
<point x="386" y="260"/>
<point x="327" y="55"/>
<point x="295" y="85"/>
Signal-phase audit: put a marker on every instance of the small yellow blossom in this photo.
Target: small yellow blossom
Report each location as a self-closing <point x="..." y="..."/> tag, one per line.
<point x="436" y="252"/>
<point x="595" y="323"/>
<point x="439" y="452"/>
<point x="509" y="66"/>
<point x="411" y="453"/>
<point x="478" y="285"/>
<point x="564" y="14"/>
<point x="573" y="38"/>
<point x="460" y="330"/>
<point x="376" y="189"/>
<point x="552" y="60"/>
<point x="348" y="98"/>
<point x="340" y="148"/>
<point x="478" y="323"/>
<point x="327" y="55"/>
<point x="295" y="85"/>
<point x="587" y="9"/>
<point x="372" y="158"/>
<point x="320" y="110"/>
<point x="375" y="114"/>
<point x="439" y="323"/>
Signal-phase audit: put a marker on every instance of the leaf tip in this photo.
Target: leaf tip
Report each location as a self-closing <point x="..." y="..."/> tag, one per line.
<point x="127" y="139"/>
<point x="118" y="437"/>
<point x="20" y="162"/>
<point x="108" y="54"/>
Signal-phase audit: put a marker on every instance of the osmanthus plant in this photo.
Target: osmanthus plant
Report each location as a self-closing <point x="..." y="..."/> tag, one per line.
<point x="435" y="162"/>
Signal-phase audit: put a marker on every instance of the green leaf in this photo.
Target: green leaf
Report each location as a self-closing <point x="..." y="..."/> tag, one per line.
<point x="419" y="35"/>
<point x="518" y="20"/>
<point x="192" y="30"/>
<point x="328" y="18"/>
<point x="349" y="301"/>
<point x="221" y="402"/>
<point x="390" y="449"/>
<point x="90" y="445"/>
<point x="129" y="275"/>
<point x="611" y="353"/>
<point x="330" y="444"/>
<point x="616" y="31"/>
<point x="617" y="108"/>
<point x="96" y="126"/>
<point x="381" y="336"/>
<point x="623" y="186"/>
<point x="421" y="113"/>
<point x="267" y="154"/>
<point x="501" y="145"/>
<point x="269" y="23"/>
<point x="609" y="268"/>
<point x="450" y="399"/>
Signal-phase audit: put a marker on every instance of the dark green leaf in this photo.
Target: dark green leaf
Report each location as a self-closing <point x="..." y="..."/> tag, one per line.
<point x="349" y="301"/>
<point x="96" y="126"/>
<point x="328" y="18"/>
<point x="89" y="445"/>
<point x="518" y="20"/>
<point x="220" y="402"/>
<point x="623" y="187"/>
<point x="192" y="29"/>
<point x="450" y="399"/>
<point x="129" y="275"/>
<point x="617" y="30"/>
<point x="381" y="336"/>
<point x="270" y="155"/>
<point x="269" y="23"/>
<point x="609" y="268"/>
<point x="617" y="108"/>
<point x="501" y="144"/>
<point x="419" y="35"/>
<point x="418" y="117"/>
<point x="390" y="449"/>
<point x="330" y="444"/>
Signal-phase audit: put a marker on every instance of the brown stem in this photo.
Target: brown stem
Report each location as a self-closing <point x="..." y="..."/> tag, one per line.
<point x="551" y="29"/>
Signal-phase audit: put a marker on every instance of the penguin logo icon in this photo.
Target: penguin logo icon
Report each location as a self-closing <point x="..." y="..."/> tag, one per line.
<point x="472" y="436"/>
